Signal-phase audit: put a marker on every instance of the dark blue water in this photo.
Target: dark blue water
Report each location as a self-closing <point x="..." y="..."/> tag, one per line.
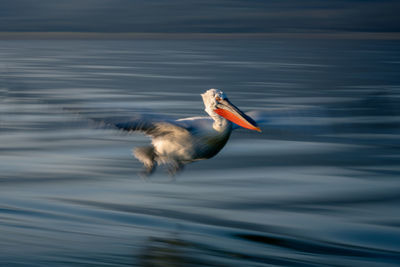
<point x="319" y="186"/>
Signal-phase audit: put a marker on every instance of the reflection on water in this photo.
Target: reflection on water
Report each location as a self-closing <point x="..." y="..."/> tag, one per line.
<point x="319" y="186"/>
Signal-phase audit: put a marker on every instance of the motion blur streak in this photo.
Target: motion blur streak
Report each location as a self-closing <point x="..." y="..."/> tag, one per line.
<point x="319" y="185"/>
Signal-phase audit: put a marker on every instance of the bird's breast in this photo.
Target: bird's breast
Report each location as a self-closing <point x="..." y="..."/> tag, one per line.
<point x="211" y="143"/>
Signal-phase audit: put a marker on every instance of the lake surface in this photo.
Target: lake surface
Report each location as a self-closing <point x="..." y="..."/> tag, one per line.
<point x="319" y="186"/>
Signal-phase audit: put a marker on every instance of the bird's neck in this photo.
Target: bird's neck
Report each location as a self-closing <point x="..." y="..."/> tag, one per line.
<point x="221" y="124"/>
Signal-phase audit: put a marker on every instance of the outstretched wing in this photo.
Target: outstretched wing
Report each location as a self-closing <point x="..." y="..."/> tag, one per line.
<point x="150" y="125"/>
<point x="144" y="121"/>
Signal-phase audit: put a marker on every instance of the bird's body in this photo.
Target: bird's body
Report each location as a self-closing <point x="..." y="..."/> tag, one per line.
<point x="178" y="142"/>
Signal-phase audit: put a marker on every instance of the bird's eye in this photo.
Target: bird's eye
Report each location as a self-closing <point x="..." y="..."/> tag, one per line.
<point x="218" y="98"/>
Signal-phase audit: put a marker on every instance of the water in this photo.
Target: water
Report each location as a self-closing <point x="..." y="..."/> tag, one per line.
<point x="319" y="186"/>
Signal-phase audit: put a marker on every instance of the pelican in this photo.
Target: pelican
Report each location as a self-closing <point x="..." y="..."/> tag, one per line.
<point x="176" y="143"/>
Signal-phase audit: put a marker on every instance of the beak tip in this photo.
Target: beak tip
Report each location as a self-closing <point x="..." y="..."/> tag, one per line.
<point x="258" y="129"/>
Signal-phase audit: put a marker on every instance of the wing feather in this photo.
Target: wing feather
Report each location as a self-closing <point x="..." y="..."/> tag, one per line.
<point x="147" y="124"/>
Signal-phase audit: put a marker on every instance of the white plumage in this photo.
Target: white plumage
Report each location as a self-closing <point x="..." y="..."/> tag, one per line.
<point x="178" y="142"/>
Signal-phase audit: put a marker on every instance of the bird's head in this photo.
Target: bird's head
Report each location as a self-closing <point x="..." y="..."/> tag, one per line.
<point x="216" y="103"/>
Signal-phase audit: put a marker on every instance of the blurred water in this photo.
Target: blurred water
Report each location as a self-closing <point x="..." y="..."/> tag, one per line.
<point x="319" y="186"/>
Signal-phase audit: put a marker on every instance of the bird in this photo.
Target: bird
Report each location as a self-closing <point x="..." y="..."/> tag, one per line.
<point x="176" y="143"/>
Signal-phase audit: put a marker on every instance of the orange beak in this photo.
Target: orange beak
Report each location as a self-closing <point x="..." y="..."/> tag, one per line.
<point x="230" y="112"/>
